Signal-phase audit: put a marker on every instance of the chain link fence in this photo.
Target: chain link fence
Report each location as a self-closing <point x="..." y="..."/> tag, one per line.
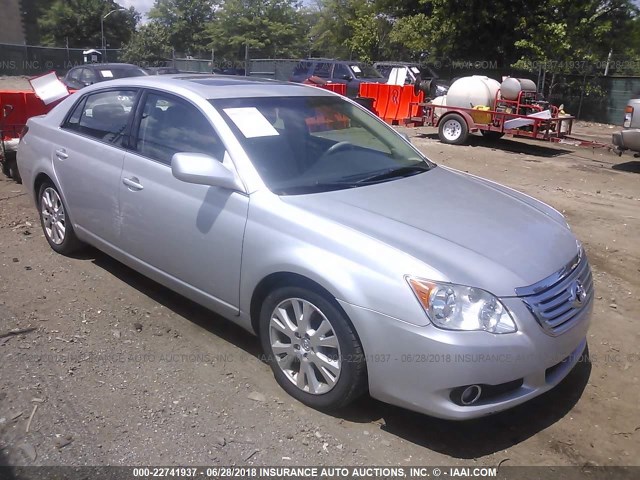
<point x="583" y="88"/>
<point x="34" y="60"/>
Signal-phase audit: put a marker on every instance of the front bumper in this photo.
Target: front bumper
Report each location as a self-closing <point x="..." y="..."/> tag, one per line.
<point x="418" y="367"/>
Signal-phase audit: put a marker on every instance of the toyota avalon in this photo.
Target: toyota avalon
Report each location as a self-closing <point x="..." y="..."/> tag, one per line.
<point x="361" y="265"/>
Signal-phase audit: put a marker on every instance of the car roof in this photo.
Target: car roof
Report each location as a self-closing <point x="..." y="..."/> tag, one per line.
<point x="219" y="86"/>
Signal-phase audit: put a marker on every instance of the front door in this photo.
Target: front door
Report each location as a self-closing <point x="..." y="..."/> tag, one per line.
<point x="191" y="235"/>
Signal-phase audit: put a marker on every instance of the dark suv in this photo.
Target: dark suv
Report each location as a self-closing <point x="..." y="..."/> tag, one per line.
<point x="337" y="71"/>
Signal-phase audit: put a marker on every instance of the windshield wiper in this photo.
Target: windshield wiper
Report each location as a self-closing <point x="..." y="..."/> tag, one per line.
<point x="406" y="171"/>
<point x="314" y="187"/>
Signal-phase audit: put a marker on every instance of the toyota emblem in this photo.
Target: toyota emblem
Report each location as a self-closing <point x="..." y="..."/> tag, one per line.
<point x="578" y="294"/>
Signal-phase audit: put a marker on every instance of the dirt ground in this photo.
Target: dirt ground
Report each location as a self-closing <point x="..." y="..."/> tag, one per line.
<point x="120" y="371"/>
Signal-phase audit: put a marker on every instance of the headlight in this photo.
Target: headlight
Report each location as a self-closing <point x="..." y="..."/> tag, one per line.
<point x="456" y="307"/>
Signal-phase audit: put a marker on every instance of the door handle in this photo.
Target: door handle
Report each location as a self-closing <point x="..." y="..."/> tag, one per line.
<point x="61" y="153"/>
<point x="133" y="183"/>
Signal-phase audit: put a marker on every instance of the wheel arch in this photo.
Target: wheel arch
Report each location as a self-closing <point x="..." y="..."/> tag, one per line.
<point x="39" y="179"/>
<point x="471" y="125"/>
<point x="284" y="278"/>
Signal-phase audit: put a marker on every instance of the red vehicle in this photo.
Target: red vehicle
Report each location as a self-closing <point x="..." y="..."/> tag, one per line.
<point x="16" y="107"/>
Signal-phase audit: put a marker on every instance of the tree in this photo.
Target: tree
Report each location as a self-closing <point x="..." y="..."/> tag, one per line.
<point x="268" y="28"/>
<point x="78" y="23"/>
<point x="149" y="45"/>
<point x="463" y="30"/>
<point x="184" y="22"/>
<point x="353" y="29"/>
<point x="563" y="37"/>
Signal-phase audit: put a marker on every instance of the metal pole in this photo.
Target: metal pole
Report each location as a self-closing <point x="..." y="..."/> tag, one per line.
<point x="606" y="69"/>
<point x="246" y="58"/>
<point x="104" y="50"/>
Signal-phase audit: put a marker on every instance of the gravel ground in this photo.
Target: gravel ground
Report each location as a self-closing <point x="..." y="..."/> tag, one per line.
<point x="120" y="371"/>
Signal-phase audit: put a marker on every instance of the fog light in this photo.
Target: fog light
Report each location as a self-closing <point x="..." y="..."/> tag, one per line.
<point x="470" y="394"/>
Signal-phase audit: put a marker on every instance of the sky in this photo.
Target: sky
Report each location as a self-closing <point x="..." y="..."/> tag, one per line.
<point x="143" y="6"/>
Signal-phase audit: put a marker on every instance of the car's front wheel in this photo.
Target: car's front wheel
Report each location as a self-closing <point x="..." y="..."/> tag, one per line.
<point x="55" y="221"/>
<point x="312" y="348"/>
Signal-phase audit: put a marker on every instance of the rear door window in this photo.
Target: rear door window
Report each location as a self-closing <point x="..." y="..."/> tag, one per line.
<point x="103" y="115"/>
<point x="323" y="70"/>
<point x="341" y="72"/>
<point x="88" y="76"/>
<point x="302" y="68"/>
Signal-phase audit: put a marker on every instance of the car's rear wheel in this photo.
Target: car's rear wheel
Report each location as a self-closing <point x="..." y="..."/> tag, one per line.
<point x="10" y="167"/>
<point x="312" y="348"/>
<point x="55" y="221"/>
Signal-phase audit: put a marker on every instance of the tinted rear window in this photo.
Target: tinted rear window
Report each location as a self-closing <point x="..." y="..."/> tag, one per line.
<point x="302" y="68"/>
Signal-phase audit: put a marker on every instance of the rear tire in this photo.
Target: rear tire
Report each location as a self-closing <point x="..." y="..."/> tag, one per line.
<point x="11" y="165"/>
<point x="312" y="348"/>
<point x="453" y="129"/>
<point x="55" y="222"/>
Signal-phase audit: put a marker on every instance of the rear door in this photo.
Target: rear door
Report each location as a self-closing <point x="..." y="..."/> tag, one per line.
<point x="191" y="235"/>
<point x="88" y="158"/>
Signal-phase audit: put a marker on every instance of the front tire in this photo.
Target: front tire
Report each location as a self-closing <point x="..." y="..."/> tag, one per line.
<point x="453" y="129"/>
<point x="55" y="221"/>
<point x="312" y="348"/>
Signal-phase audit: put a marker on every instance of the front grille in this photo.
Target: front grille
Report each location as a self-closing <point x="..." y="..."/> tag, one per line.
<point x="557" y="300"/>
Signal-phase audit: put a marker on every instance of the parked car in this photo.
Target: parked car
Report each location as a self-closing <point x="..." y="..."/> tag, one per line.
<point x="85" y="75"/>
<point x="337" y="71"/>
<point x="629" y="137"/>
<point x="421" y="74"/>
<point x="300" y="216"/>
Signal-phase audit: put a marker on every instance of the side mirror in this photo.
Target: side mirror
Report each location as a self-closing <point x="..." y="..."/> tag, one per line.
<point x="347" y="77"/>
<point x="203" y="170"/>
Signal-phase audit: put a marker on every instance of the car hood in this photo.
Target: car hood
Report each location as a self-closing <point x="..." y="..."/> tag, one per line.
<point x="470" y="230"/>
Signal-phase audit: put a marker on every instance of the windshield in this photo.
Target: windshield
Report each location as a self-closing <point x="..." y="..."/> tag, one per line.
<point x="365" y="71"/>
<point x="313" y="144"/>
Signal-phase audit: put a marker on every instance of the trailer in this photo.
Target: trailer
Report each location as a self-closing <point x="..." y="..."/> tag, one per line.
<point x="521" y="112"/>
<point x="528" y="116"/>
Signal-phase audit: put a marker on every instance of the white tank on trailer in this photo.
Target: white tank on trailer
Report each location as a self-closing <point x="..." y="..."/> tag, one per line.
<point x="468" y="92"/>
<point x="511" y="87"/>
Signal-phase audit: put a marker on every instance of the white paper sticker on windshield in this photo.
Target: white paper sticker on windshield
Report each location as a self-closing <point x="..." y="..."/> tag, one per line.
<point x="356" y="68"/>
<point x="251" y="122"/>
<point x="415" y="69"/>
<point x="106" y="73"/>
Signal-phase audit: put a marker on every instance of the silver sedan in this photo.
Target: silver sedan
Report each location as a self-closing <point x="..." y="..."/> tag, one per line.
<point x="295" y="213"/>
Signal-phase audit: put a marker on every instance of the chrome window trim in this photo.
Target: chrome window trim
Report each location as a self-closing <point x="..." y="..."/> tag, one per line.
<point x="552" y="279"/>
